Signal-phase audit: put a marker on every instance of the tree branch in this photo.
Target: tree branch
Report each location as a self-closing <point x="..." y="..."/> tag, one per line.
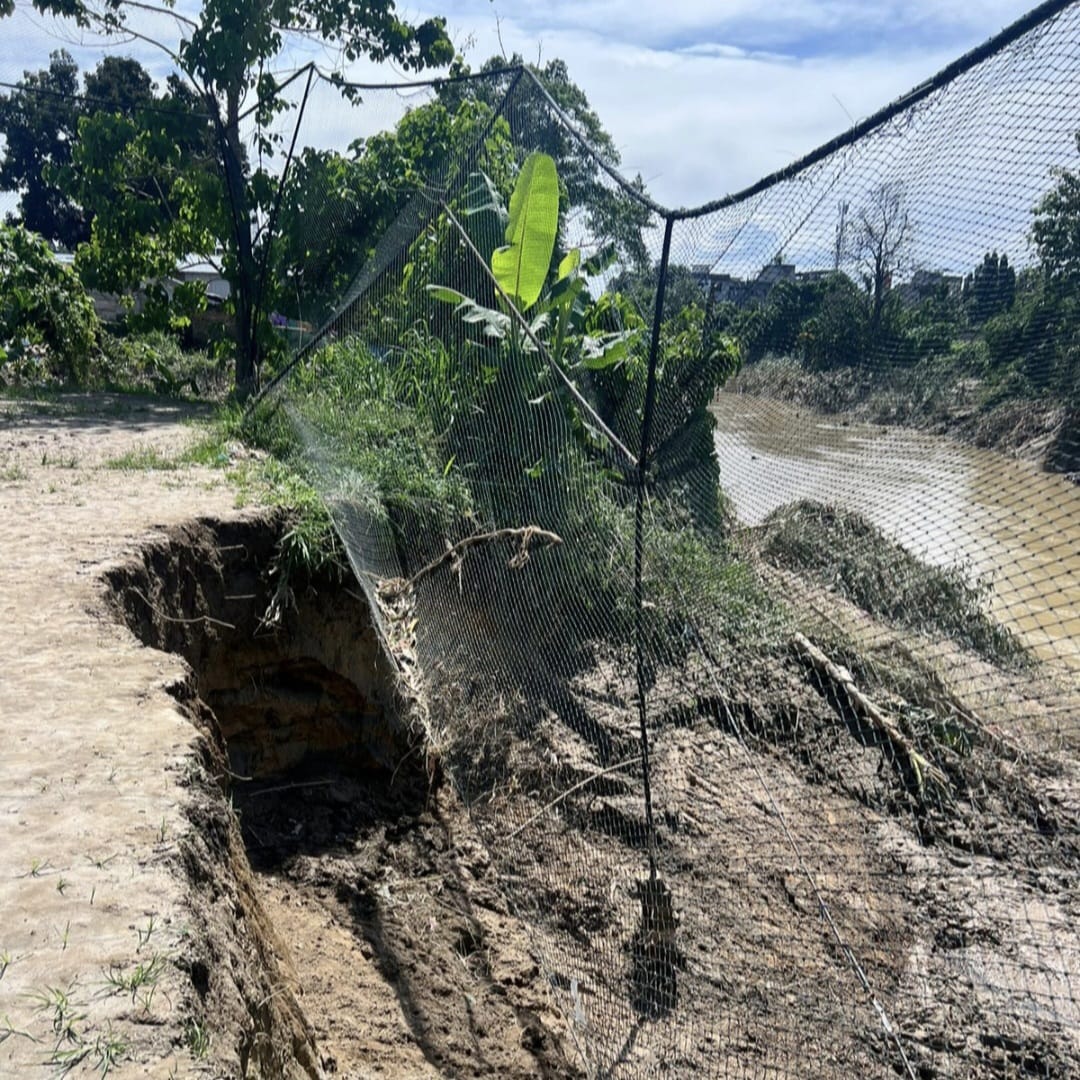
<point x="396" y="586"/>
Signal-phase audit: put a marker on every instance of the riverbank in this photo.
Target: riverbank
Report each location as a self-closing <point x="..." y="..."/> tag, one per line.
<point x="1003" y="520"/>
<point x="932" y="397"/>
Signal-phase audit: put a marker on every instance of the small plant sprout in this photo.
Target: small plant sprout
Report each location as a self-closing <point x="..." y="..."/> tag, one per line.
<point x="6" y="960"/>
<point x="7" y="1030"/>
<point x="145" y="935"/>
<point x="62" y="885"/>
<point x="196" y="1039"/>
<point x="59" y="1005"/>
<point x="39" y="866"/>
<point x="107" y="1050"/>
<point x="141" y="978"/>
<point x="163" y="830"/>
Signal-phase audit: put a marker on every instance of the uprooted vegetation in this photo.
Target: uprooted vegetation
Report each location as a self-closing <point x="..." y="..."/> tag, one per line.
<point x="842" y="550"/>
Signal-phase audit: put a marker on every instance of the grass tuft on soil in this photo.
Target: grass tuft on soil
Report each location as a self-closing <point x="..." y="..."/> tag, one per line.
<point x="843" y="551"/>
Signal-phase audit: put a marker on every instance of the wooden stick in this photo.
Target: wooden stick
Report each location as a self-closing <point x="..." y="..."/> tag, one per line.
<point x="864" y="708"/>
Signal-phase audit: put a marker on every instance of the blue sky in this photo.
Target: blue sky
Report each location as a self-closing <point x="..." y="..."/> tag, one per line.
<point x="701" y="96"/>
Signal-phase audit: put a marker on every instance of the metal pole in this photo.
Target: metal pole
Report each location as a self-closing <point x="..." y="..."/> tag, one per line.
<point x="644" y="456"/>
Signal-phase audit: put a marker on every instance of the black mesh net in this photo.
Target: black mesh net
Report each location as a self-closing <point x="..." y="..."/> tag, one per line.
<point x="755" y="663"/>
<point x="701" y="548"/>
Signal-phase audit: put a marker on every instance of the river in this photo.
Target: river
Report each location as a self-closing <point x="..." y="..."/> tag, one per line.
<point x="947" y="503"/>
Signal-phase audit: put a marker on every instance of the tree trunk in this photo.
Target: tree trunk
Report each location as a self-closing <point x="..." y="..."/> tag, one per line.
<point x="245" y="284"/>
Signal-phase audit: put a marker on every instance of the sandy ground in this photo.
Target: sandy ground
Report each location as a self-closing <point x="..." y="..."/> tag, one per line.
<point x="93" y="748"/>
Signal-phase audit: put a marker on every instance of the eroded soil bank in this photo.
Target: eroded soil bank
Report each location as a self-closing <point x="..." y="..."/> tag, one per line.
<point x="347" y="918"/>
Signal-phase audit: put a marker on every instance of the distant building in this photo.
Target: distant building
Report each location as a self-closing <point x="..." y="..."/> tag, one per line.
<point x="927" y="283"/>
<point x="112" y="307"/>
<point x="742" y="292"/>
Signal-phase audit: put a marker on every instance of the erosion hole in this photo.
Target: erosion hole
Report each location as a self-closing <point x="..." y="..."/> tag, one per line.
<point x="372" y="899"/>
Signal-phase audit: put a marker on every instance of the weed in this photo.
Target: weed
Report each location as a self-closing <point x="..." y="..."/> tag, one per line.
<point x="142" y="977"/>
<point x="145" y="935"/>
<point x="101" y="862"/>
<point x="196" y="1039"/>
<point x="141" y="459"/>
<point x="13" y="473"/>
<point x="62" y="885"/>
<point x="39" y="866"/>
<point x="163" y="830"/>
<point x="7" y="1030"/>
<point x="64" y="1015"/>
<point x="107" y="1050"/>
<point x="61" y="461"/>
<point x="6" y="960"/>
<point x="66" y="935"/>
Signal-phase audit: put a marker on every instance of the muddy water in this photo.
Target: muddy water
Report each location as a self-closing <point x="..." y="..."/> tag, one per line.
<point x="948" y="503"/>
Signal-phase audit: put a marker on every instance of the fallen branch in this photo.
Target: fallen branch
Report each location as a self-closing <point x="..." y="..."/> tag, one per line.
<point x="865" y="709"/>
<point x="455" y="552"/>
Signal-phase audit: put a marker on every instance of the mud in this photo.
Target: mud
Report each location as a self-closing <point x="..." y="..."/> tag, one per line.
<point x="349" y="923"/>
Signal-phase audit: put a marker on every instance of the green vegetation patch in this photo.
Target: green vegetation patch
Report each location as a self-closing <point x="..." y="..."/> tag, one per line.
<point x="845" y="552"/>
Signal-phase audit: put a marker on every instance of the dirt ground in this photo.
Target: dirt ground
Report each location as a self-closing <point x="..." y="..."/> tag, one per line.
<point x="134" y="937"/>
<point x="92" y="912"/>
<point x="224" y="859"/>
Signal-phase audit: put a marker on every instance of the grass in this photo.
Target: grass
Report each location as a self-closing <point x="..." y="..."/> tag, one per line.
<point x="142" y="977"/>
<point x="843" y="551"/>
<point x="196" y="1039"/>
<point x="11" y="474"/>
<point x="142" y="459"/>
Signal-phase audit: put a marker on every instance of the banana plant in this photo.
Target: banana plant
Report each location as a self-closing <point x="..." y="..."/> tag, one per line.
<point x="521" y="267"/>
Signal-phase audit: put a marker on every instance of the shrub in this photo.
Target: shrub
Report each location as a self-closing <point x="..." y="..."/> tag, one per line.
<point x="48" y="327"/>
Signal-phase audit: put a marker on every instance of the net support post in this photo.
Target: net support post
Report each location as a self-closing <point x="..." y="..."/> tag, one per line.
<point x="644" y="457"/>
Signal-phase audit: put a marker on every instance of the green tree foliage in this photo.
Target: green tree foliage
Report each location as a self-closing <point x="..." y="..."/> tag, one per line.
<point x="39" y="122"/>
<point x="335" y="208"/>
<point x="48" y="328"/>
<point x="837" y="331"/>
<point x="990" y="288"/>
<point x="610" y="213"/>
<point x="1056" y="229"/>
<point x="227" y="51"/>
<point x="146" y="174"/>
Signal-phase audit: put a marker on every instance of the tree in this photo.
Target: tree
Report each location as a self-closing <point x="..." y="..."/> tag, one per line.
<point x="227" y="52"/>
<point x="146" y="176"/>
<point x="878" y="241"/>
<point x="1056" y="229"/>
<point x="990" y="288"/>
<point x="39" y="121"/>
<point x="335" y="208"/>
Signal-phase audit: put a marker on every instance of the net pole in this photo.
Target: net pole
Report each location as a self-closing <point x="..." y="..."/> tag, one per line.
<point x="639" y="538"/>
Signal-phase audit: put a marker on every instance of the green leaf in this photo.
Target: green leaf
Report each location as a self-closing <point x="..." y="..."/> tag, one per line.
<point x="607" y="351"/>
<point x="570" y="262"/>
<point x="600" y="262"/>
<point x="521" y="266"/>
<point x="446" y="294"/>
